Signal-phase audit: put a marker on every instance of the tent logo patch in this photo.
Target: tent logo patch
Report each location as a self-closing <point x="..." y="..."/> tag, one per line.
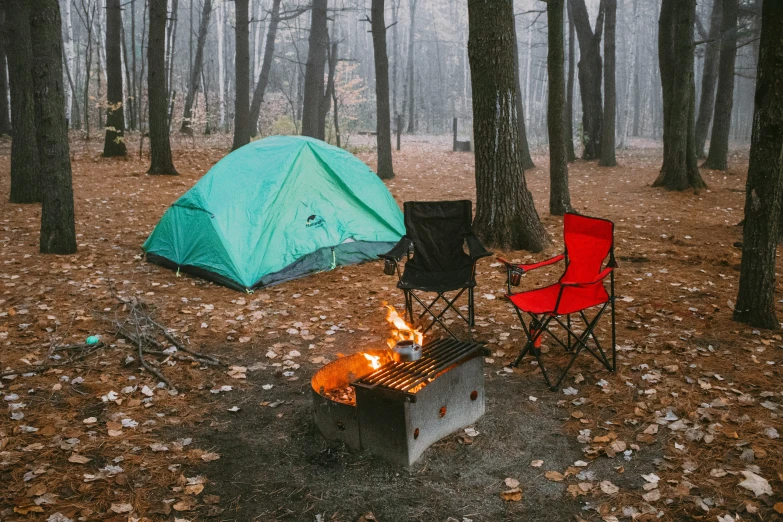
<point x="314" y="221"/>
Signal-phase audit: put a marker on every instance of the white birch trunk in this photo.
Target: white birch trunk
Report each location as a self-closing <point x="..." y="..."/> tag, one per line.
<point x="221" y="69"/>
<point x="70" y="58"/>
<point x="101" y="34"/>
<point x="260" y="31"/>
<point x="632" y="44"/>
<point x="529" y="76"/>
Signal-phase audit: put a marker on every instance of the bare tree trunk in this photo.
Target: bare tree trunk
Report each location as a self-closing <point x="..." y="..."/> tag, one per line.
<point x="383" y="118"/>
<point x="527" y="160"/>
<point x="114" y="143"/>
<point x="568" y="113"/>
<point x="630" y="93"/>
<point x="314" y="72"/>
<point x="608" y="158"/>
<point x="396" y="52"/>
<point x="411" y="81"/>
<point x="326" y="102"/>
<point x="590" y="67"/>
<point x="160" y="145"/>
<point x="58" y="229"/>
<point x="25" y="167"/>
<point x="128" y="89"/>
<point x="675" y="55"/>
<point x="88" y="69"/>
<point x="764" y="190"/>
<point x="709" y="78"/>
<point x="220" y="23"/>
<point x="266" y="67"/>
<point x="242" y="69"/>
<point x="505" y="214"/>
<point x="5" y="110"/>
<point x="198" y="65"/>
<point x="559" y="197"/>
<point x="70" y="58"/>
<point x="717" y="158"/>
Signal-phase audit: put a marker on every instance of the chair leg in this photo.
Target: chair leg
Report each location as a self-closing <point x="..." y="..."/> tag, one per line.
<point x="409" y="306"/>
<point x="614" y="338"/>
<point x="471" y="318"/>
<point x="568" y="322"/>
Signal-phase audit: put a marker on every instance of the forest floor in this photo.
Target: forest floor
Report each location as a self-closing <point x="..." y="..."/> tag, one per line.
<point x="686" y="429"/>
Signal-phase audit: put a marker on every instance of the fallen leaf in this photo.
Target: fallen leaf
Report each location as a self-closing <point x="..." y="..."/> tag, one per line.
<point x="511" y="483"/>
<point x="755" y="483"/>
<point x="608" y="488"/>
<point x="121" y="508"/>
<point x="78" y="459"/>
<point x="511" y="495"/>
<point x="554" y="476"/>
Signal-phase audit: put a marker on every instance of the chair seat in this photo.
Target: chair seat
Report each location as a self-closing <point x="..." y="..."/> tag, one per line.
<point x="415" y="279"/>
<point x="574" y="299"/>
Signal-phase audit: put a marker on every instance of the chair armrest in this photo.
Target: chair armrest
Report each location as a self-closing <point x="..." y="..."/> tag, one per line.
<point x="532" y="266"/>
<point x="399" y="251"/>
<point x="475" y="249"/>
<point x="605" y="272"/>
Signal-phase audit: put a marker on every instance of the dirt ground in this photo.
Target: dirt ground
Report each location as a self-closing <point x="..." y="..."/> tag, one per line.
<point x="686" y="429"/>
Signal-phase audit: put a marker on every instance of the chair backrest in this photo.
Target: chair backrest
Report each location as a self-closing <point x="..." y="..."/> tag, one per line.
<point x="588" y="241"/>
<point x="438" y="230"/>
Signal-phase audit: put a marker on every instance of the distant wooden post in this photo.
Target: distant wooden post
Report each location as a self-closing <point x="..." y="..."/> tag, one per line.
<point x="454" y="143"/>
<point x="399" y="129"/>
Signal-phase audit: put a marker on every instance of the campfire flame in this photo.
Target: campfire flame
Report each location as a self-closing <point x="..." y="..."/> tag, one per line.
<point x="375" y="360"/>
<point x="402" y="330"/>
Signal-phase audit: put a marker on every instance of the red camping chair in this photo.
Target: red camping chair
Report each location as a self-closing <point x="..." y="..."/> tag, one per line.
<point x="588" y="241"/>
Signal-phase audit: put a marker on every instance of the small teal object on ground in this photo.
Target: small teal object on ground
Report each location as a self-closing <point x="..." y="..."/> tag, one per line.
<point x="93" y="339"/>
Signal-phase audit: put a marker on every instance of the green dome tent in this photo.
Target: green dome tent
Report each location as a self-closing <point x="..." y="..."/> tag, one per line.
<point x="277" y="209"/>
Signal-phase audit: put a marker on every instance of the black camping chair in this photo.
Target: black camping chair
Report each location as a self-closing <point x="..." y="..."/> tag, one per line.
<point x="434" y="245"/>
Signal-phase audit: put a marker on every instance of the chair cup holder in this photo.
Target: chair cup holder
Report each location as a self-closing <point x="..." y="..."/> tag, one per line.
<point x="515" y="278"/>
<point x="389" y="267"/>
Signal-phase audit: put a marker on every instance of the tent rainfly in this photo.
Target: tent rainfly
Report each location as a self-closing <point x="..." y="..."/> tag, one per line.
<point x="274" y="210"/>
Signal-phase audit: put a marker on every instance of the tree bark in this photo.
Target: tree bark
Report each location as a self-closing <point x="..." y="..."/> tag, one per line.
<point x="383" y="117"/>
<point x="220" y="22"/>
<point x="314" y="72"/>
<point x="58" y="229"/>
<point x="675" y="56"/>
<point x="559" y="197"/>
<point x="114" y="143"/>
<point x="70" y="58"/>
<point x="198" y="65"/>
<point x="266" y="67"/>
<point x="608" y="158"/>
<point x="410" y="94"/>
<point x="160" y="145"/>
<point x="396" y="53"/>
<point x="709" y="78"/>
<point x="326" y="102"/>
<point x="505" y="214"/>
<point x="25" y="167"/>
<point x="527" y="159"/>
<point x="568" y="113"/>
<point x="764" y="189"/>
<point x="5" y="110"/>
<point x="590" y="67"/>
<point x="632" y="74"/>
<point x="242" y="69"/>
<point x="717" y="158"/>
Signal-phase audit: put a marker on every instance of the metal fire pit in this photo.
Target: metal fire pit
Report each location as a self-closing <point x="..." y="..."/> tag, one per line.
<point x="338" y="421"/>
<point x="403" y="408"/>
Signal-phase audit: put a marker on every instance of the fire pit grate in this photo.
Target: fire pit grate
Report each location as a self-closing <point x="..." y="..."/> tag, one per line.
<point x="407" y="378"/>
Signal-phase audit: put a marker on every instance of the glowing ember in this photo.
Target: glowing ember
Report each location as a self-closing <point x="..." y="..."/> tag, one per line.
<point x="375" y="360"/>
<point x="402" y="331"/>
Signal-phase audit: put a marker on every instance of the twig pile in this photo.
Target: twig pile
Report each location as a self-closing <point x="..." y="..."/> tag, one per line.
<point x="147" y="336"/>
